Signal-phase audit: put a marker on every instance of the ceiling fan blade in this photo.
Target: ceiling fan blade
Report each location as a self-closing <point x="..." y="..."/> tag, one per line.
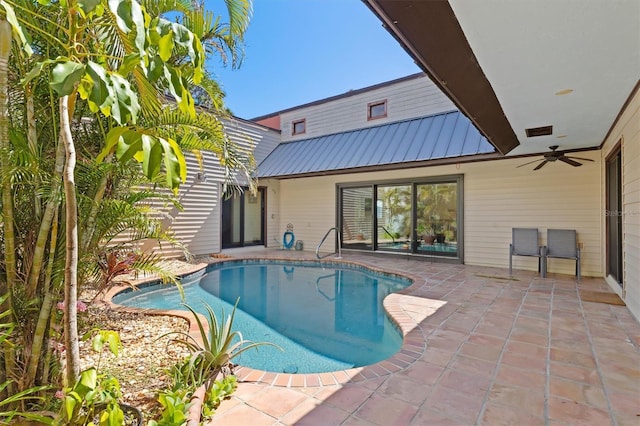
<point x="579" y="158"/>
<point x="569" y="161"/>
<point x="530" y="162"/>
<point x="539" y="166"/>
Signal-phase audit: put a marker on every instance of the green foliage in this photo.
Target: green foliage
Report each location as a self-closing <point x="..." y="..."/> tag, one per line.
<point x="175" y="407"/>
<point x="220" y="344"/>
<point x="95" y="394"/>
<point x="10" y="406"/>
<point x="221" y="390"/>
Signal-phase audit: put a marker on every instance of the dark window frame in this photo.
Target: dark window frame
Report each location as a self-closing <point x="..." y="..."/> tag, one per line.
<point x="458" y="179"/>
<point x="370" y="107"/>
<point x="296" y="122"/>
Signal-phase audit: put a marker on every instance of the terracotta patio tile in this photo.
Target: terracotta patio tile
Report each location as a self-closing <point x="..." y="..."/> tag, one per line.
<point x="299" y="412"/>
<point x="297" y="380"/>
<point x="473" y="365"/>
<point x="570" y="412"/>
<point x="457" y="405"/>
<point x="437" y="356"/>
<point x="526" y="349"/>
<point x="423" y="372"/>
<point x="312" y="380"/>
<point x="579" y="392"/>
<point x="496" y="415"/>
<point x="508" y="375"/>
<point x="282" y="380"/>
<point x="402" y="388"/>
<point x="573" y="358"/>
<point x="349" y="398"/>
<point x="537" y="365"/>
<point x="474" y="385"/>
<point x="326" y="392"/>
<point x="382" y="410"/>
<point x="526" y="400"/>
<point x="575" y="373"/>
<point x="483" y="339"/>
<point x="427" y="416"/>
<point x="246" y="391"/>
<point x="484" y="352"/>
<point x="243" y="415"/>
<point x="627" y="404"/>
<point x="355" y="421"/>
<point x="327" y="379"/>
<point x="321" y="415"/>
<point x="528" y="336"/>
<point x="276" y="402"/>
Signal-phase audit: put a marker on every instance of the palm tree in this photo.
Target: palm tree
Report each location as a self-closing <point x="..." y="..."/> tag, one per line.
<point x="112" y="62"/>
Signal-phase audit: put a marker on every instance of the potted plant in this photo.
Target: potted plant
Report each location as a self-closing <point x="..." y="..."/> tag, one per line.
<point x="426" y="234"/>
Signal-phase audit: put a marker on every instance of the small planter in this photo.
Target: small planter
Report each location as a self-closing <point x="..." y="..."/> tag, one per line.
<point x="429" y="239"/>
<point x="132" y="415"/>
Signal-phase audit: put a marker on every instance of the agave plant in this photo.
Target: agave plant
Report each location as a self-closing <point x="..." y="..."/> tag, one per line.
<point x="220" y="344"/>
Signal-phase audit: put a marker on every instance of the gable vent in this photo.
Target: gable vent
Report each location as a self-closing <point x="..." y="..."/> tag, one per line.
<point x="539" y="131"/>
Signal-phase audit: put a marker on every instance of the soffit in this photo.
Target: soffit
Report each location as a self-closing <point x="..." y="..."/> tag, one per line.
<point x="526" y="52"/>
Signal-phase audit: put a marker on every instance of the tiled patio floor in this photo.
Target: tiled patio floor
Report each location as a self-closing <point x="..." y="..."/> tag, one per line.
<point x="495" y="351"/>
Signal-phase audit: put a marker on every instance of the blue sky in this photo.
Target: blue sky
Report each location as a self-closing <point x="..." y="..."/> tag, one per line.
<point x="298" y="51"/>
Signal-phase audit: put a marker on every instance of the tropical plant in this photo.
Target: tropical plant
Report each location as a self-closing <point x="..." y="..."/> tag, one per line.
<point x="96" y="394"/>
<point x="12" y="406"/>
<point x="108" y="81"/>
<point x="210" y="356"/>
<point x="212" y="353"/>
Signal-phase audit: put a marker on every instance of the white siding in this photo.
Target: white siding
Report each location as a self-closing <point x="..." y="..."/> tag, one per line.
<point x="412" y="98"/>
<point x="198" y="224"/>
<point x="627" y="130"/>
<point x="273" y="237"/>
<point x="497" y="197"/>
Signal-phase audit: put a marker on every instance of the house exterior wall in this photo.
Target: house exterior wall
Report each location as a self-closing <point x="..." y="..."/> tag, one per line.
<point x="627" y="133"/>
<point x="497" y="197"/>
<point x="198" y="224"/>
<point x="415" y="97"/>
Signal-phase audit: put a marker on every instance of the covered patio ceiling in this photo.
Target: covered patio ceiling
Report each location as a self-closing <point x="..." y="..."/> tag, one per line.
<point x="517" y="65"/>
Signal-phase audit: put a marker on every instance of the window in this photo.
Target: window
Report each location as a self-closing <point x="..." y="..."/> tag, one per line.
<point x="298" y="127"/>
<point x="377" y="110"/>
<point x="414" y="216"/>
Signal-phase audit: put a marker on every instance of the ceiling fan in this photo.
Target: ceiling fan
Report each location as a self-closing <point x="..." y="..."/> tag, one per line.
<point x="554" y="155"/>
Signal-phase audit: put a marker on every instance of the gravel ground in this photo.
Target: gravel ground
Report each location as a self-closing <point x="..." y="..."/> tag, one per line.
<point x="141" y="367"/>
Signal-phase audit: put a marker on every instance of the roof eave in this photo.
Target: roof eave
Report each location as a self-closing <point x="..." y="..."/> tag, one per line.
<point x="430" y="32"/>
<point x="394" y="166"/>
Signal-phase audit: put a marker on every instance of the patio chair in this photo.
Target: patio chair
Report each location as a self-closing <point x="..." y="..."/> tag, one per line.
<point x="524" y="242"/>
<point x="562" y="244"/>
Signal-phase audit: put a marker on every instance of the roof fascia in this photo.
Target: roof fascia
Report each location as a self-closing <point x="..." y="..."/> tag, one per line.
<point x="430" y="32"/>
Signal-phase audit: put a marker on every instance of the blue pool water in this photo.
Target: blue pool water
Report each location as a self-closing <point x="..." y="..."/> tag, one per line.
<point x="324" y="318"/>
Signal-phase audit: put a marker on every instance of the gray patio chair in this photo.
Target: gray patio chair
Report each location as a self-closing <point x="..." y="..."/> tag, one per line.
<point x="524" y="242"/>
<point x="562" y="244"/>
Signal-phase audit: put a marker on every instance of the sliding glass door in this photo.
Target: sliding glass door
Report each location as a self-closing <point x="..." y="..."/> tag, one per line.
<point x="436" y="222"/>
<point x="357" y="217"/>
<point x="393" y="217"/>
<point x="414" y="217"/>
<point x="243" y="220"/>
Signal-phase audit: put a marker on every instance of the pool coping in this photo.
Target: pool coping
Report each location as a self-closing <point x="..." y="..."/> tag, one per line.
<point x="413" y="346"/>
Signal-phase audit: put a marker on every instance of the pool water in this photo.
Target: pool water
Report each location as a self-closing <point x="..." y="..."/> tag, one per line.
<point x="323" y="318"/>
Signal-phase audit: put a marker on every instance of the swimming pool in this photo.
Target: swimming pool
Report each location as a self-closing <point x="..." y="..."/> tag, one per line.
<point x="325" y="316"/>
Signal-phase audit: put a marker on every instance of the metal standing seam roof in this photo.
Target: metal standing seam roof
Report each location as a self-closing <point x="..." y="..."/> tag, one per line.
<point x="446" y="135"/>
